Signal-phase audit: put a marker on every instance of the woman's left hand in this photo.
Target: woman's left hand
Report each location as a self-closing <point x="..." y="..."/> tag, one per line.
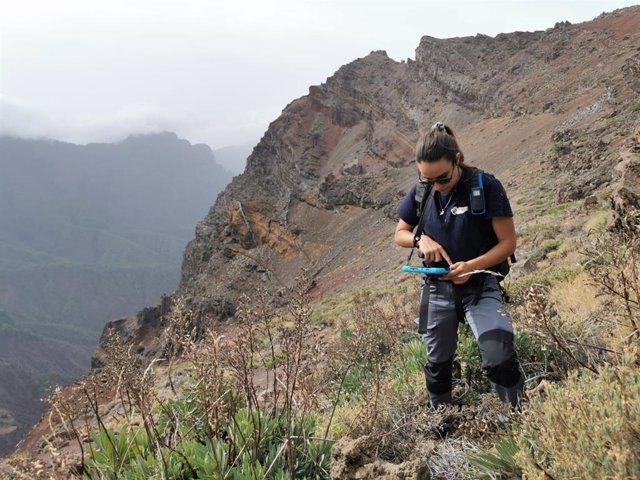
<point x="457" y="269"/>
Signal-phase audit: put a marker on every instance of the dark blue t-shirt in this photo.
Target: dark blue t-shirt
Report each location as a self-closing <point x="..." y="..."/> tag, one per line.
<point x="463" y="236"/>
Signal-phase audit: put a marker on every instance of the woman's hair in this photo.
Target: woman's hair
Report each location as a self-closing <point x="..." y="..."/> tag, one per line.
<point x="438" y="142"/>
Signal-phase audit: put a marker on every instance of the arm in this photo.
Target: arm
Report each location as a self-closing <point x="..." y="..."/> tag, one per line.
<point x="404" y="234"/>
<point x="431" y="249"/>
<point x="506" y="233"/>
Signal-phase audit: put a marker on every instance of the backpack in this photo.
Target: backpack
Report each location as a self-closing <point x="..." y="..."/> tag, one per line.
<point x="424" y="197"/>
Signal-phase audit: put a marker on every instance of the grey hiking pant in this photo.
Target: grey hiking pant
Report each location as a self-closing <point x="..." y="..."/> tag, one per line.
<point x="442" y="306"/>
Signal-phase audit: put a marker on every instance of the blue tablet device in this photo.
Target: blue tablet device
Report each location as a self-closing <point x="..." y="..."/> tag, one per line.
<point x="426" y="270"/>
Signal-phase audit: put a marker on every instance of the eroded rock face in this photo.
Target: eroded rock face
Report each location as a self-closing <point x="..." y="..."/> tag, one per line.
<point x="143" y="329"/>
<point x="582" y="158"/>
<point x="631" y="72"/>
<point x="336" y="147"/>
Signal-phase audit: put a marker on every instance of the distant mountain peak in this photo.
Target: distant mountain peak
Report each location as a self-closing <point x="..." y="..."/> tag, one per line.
<point x="140" y="136"/>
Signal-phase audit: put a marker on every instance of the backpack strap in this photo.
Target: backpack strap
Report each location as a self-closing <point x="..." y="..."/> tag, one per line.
<point x="425" y="206"/>
<point x="477" y="205"/>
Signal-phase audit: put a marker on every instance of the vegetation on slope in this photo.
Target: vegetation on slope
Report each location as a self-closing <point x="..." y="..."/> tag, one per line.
<point x="282" y="397"/>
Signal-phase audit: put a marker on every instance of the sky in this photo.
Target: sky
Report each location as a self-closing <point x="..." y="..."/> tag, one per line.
<point x="214" y="72"/>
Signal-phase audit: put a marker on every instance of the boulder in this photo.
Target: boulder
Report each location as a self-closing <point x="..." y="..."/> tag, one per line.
<point x="625" y="198"/>
<point x="590" y="201"/>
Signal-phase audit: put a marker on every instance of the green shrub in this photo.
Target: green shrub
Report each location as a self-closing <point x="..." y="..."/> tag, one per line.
<point x="250" y="445"/>
<point x="519" y="287"/>
<point x="586" y="427"/>
<point x="501" y="464"/>
<point x="597" y="222"/>
<point x="561" y="148"/>
<point x="536" y="358"/>
<point x="468" y="363"/>
<point x="114" y="453"/>
<point x="546" y="247"/>
<point x="412" y="358"/>
<point x="355" y="384"/>
<point x="559" y="208"/>
<point x="407" y="374"/>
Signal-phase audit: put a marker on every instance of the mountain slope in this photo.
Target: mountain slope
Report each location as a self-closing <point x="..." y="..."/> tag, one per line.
<point x="87" y="234"/>
<point x="321" y="187"/>
<point x="550" y="113"/>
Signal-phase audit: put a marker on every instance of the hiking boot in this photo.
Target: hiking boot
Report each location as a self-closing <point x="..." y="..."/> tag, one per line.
<point x="445" y="427"/>
<point x="504" y="419"/>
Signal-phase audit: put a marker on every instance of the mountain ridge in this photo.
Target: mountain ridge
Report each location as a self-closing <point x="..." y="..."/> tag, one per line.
<point x="348" y="146"/>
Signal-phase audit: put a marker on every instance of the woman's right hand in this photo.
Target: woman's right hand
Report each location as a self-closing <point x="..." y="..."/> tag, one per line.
<point x="432" y="250"/>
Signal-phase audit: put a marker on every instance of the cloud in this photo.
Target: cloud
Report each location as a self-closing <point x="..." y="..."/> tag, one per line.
<point x="21" y="119"/>
<point x="213" y="71"/>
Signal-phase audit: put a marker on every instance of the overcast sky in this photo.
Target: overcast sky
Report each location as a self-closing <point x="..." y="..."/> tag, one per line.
<point x="214" y="72"/>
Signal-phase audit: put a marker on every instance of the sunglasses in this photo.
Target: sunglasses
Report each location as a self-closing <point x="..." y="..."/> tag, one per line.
<point x="442" y="179"/>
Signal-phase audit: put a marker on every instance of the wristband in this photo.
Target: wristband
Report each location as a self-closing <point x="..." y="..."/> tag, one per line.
<point x="416" y="240"/>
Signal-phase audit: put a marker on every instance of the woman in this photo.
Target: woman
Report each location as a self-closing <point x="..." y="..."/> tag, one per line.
<point x="465" y="240"/>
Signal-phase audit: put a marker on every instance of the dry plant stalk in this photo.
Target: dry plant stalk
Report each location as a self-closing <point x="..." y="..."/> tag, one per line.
<point x="540" y="318"/>
<point x="240" y="354"/>
<point x="133" y="381"/>
<point x="274" y="361"/>
<point x="68" y="406"/>
<point x="210" y="389"/>
<point x="374" y="339"/>
<point x="614" y="265"/>
<point x="183" y="330"/>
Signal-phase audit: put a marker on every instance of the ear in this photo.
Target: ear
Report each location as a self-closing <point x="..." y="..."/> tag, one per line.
<point x="458" y="158"/>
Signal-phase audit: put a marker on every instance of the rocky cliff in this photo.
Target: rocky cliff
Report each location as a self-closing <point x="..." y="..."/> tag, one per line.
<point x="547" y="111"/>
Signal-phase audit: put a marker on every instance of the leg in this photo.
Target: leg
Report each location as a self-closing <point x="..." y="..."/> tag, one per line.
<point x="440" y="329"/>
<point x="492" y="328"/>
